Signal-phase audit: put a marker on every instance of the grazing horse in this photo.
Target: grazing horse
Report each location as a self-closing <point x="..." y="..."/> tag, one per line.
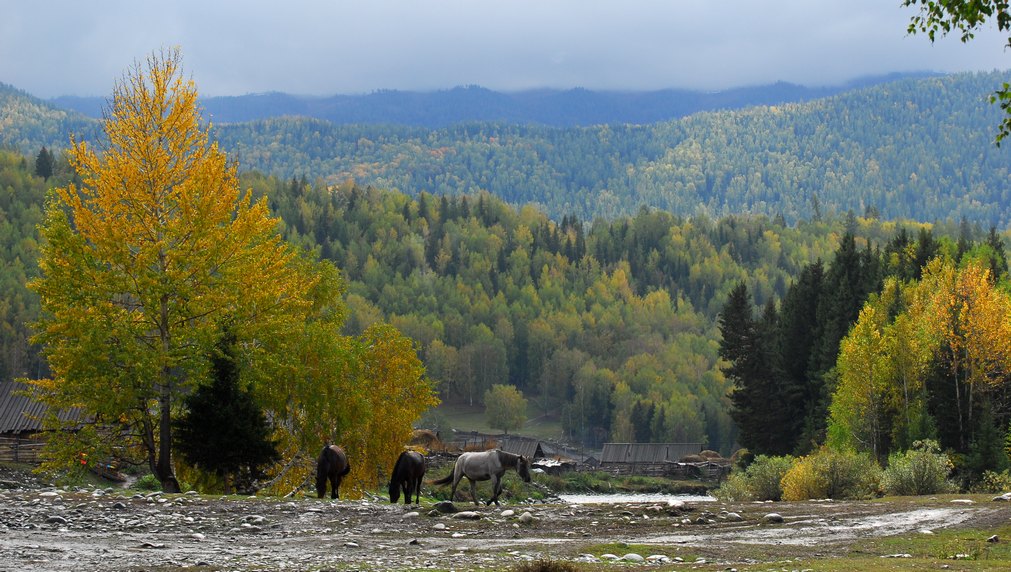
<point x="407" y="474"/>
<point x="483" y="466"/>
<point x="332" y="465"/>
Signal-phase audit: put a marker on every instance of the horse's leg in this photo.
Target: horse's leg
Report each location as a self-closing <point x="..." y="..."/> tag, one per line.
<point x="335" y="485"/>
<point x="417" y="490"/>
<point x="452" y="493"/>
<point x="473" y="491"/>
<point x="406" y="486"/>
<point x="496" y="489"/>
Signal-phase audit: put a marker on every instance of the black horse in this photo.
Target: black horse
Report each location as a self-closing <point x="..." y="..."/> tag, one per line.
<point x="407" y="474"/>
<point x="332" y="465"/>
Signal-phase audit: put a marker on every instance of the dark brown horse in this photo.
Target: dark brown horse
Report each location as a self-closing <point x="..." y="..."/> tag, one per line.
<point x="331" y="466"/>
<point x="483" y="466"/>
<point x="407" y="474"/>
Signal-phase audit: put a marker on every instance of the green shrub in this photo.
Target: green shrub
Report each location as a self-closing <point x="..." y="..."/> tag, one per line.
<point x="760" y="481"/>
<point x="828" y="473"/>
<point x="147" y="483"/>
<point x="922" y="470"/>
<point x="735" y="488"/>
<point x="765" y="476"/>
<point x="993" y="482"/>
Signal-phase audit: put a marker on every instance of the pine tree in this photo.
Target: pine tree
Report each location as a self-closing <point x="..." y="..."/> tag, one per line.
<point x="44" y="163"/>
<point x="224" y="431"/>
<point x="755" y="397"/>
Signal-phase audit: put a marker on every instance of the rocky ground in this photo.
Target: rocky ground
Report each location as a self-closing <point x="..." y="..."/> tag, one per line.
<point x="43" y="528"/>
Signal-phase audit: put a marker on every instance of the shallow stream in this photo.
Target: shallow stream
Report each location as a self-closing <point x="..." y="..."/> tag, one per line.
<point x="621" y="498"/>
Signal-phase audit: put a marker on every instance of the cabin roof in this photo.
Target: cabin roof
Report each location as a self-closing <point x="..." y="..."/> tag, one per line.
<point x="20" y="413"/>
<point x="647" y="452"/>
<point x="529" y="448"/>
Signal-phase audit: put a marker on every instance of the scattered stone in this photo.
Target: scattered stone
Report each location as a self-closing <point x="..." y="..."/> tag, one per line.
<point x="897" y="556"/>
<point x="411" y="514"/>
<point x="658" y="559"/>
<point x="734" y="517"/>
<point x="508" y="512"/>
<point x="1003" y="498"/>
<point x="55" y="519"/>
<point x="526" y="517"/>
<point x="993" y="539"/>
<point x="445" y="507"/>
<point x="439" y="526"/>
<point x="609" y="556"/>
<point x="351" y="545"/>
<point x="468" y="515"/>
<point x="414" y="542"/>
<point x="963" y="501"/>
<point x="773" y="517"/>
<point x="632" y="557"/>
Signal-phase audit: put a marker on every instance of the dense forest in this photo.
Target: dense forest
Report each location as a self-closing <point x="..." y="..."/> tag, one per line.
<point x="918" y="148"/>
<point x="612" y="325"/>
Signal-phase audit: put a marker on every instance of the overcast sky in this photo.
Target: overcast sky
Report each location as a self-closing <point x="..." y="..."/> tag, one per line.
<point x="326" y="47"/>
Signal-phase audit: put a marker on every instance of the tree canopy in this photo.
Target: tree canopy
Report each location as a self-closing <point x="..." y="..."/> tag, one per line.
<point x="965" y="17"/>
<point x="151" y="254"/>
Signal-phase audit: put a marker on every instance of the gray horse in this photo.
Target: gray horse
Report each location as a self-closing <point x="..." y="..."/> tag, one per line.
<point x="484" y="466"/>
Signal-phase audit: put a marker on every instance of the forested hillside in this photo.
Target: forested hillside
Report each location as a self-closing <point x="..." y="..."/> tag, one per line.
<point x="915" y="148"/>
<point x="919" y="149"/>
<point x="610" y="325"/>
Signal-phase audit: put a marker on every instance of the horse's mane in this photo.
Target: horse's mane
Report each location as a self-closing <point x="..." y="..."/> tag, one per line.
<point x="398" y="466"/>
<point x="507" y="458"/>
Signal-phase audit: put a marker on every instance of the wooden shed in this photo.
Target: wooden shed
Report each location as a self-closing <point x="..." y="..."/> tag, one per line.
<point x="529" y="448"/>
<point x="645" y="458"/>
<point x="19" y="422"/>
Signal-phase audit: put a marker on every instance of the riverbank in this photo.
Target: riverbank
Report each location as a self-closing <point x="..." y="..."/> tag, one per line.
<point x="60" y="530"/>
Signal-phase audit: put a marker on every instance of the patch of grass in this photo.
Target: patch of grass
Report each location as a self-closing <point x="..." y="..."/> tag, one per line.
<point x="951" y="545"/>
<point x="545" y="566"/>
<point x="466" y="418"/>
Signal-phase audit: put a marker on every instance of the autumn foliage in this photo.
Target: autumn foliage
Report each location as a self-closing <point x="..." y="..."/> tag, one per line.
<point x="152" y="253"/>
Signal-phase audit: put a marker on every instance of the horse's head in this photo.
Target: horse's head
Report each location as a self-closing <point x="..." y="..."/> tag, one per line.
<point x="394" y="491"/>
<point x="523" y="468"/>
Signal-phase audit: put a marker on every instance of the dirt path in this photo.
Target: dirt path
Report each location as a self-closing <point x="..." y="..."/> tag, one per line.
<point x="57" y="530"/>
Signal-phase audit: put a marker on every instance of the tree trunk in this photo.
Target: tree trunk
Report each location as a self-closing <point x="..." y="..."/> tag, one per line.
<point x="164" y="471"/>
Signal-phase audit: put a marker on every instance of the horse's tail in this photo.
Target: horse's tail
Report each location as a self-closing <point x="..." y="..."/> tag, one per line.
<point x="445" y="480"/>
<point x="347" y="469"/>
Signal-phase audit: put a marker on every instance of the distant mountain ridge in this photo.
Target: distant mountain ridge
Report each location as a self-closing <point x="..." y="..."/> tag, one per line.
<point x="917" y="148"/>
<point x="554" y="108"/>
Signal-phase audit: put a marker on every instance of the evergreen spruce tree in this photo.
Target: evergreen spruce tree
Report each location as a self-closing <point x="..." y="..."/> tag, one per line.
<point x="755" y="399"/>
<point x="998" y="265"/>
<point x="44" y="163"/>
<point x="224" y="431"/>
<point x="796" y="335"/>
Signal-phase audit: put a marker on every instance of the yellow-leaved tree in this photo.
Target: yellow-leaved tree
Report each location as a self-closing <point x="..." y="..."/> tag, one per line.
<point x="151" y="257"/>
<point x="954" y="324"/>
